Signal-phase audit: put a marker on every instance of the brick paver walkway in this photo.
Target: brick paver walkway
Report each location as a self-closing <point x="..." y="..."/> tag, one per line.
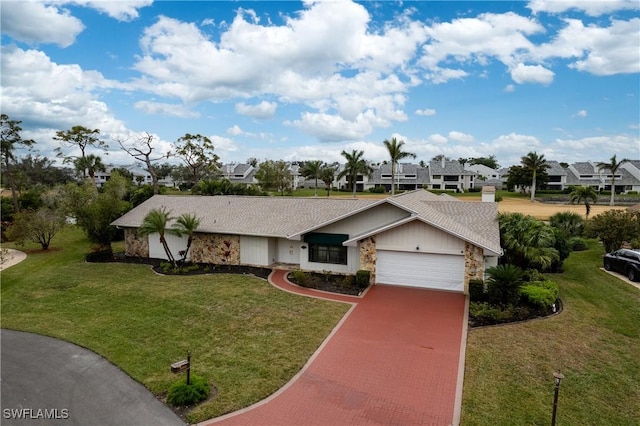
<point x="393" y="360"/>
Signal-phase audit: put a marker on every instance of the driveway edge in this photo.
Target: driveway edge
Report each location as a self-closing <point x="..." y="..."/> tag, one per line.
<point x="457" y="408"/>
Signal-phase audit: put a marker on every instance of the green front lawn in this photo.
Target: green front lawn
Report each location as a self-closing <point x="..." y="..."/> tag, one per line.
<point x="595" y="342"/>
<point x="246" y="337"/>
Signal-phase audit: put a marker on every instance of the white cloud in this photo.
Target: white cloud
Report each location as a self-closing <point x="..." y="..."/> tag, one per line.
<point x="54" y="25"/>
<point x="580" y="114"/>
<point x="442" y="75"/>
<point x="426" y="112"/>
<point x="49" y="96"/>
<point x="476" y="40"/>
<point x="510" y="88"/>
<point x="122" y="10"/>
<point x="598" y="50"/>
<point x="235" y="130"/>
<point x="159" y="108"/>
<point x="438" y="139"/>
<point x="223" y="145"/>
<point x="460" y="137"/>
<point x="592" y="8"/>
<point x="300" y="62"/>
<point x="333" y="128"/>
<point x="263" y="110"/>
<point x="522" y="73"/>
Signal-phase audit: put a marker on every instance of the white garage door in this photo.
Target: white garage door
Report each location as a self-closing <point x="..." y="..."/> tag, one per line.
<point x="438" y="271"/>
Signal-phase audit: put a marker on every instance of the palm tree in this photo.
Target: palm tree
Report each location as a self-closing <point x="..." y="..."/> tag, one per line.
<point x="527" y="242"/>
<point x="155" y="222"/>
<point x="585" y="195"/>
<point x="89" y="164"/>
<point x="613" y="166"/>
<point x="312" y="170"/>
<point x="327" y="174"/>
<point x="535" y="164"/>
<point x="186" y="224"/>
<point x="356" y="165"/>
<point x="394" y="148"/>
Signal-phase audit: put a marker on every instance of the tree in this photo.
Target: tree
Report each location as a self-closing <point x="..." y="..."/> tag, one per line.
<point x="155" y="222"/>
<point x="81" y="138"/>
<point x="95" y="210"/>
<point x="613" y="166"/>
<point x="311" y="170"/>
<point x="394" y="148"/>
<point x="197" y="153"/>
<point x="489" y="161"/>
<point x="356" y="164"/>
<point x="142" y="150"/>
<point x="34" y="169"/>
<point x="39" y="226"/>
<point x="503" y="284"/>
<point x="186" y="224"/>
<point x="275" y="176"/>
<point x="614" y="227"/>
<point x="585" y="195"/>
<point x="571" y="224"/>
<point x="527" y="242"/>
<point x="89" y="165"/>
<point x="10" y="142"/>
<point x="327" y="175"/>
<point x="535" y="164"/>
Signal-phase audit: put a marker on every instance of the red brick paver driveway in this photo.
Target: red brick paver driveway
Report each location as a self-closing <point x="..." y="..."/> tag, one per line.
<point x="395" y="359"/>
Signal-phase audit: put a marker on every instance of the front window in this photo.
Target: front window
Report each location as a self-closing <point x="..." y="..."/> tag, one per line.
<point x="324" y="253"/>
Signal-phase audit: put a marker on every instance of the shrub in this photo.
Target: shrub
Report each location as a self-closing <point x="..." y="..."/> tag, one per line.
<point x="301" y="278"/>
<point x="504" y="284"/>
<point x="541" y="294"/>
<point x="482" y="313"/>
<point x="347" y="281"/>
<point x="577" y="244"/>
<point x="570" y="223"/>
<point x="476" y="291"/>
<point x="377" y="190"/>
<point x="362" y="278"/>
<point x="181" y="394"/>
<point x="499" y="198"/>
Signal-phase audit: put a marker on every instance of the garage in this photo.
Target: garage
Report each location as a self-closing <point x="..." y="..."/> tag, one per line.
<point x="426" y="270"/>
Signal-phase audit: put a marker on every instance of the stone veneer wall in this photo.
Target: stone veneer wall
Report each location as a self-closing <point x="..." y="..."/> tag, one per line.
<point x="368" y="256"/>
<point x="134" y="244"/>
<point x="217" y="249"/>
<point x="473" y="264"/>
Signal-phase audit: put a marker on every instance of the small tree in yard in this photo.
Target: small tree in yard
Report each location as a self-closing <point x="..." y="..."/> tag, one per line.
<point x="186" y="224"/>
<point x="155" y="222"/>
<point x="585" y="195"/>
<point x="614" y="227"/>
<point x="504" y="284"/>
<point x="39" y="226"/>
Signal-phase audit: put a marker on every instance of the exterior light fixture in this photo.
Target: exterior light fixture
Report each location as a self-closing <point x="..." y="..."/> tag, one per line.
<point x="557" y="378"/>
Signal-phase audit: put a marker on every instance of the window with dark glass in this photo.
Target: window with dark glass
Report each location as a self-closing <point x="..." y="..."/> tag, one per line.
<point x="322" y="253"/>
<point x="327" y="248"/>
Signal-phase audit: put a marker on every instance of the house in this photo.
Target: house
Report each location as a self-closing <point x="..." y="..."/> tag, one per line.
<point x="415" y="239"/>
<point x="407" y="177"/>
<point x="557" y="177"/>
<point x="450" y="175"/>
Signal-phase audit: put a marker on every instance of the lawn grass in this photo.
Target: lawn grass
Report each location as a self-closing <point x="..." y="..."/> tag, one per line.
<point x="246" y="337"/>
<point x="595" y="342"/>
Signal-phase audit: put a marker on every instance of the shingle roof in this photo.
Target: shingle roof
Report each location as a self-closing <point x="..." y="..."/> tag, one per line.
<point x="450" y="168"/>
<point x="268" y="216"/>
<point x="472" y="221"/>
<point x="287" y="216"/>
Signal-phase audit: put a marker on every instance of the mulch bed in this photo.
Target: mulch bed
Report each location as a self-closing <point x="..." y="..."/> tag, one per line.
<point x="333" y="283"/>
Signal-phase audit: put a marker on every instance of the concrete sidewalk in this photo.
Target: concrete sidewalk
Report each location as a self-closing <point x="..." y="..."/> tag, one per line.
<point x="12" y="257"/>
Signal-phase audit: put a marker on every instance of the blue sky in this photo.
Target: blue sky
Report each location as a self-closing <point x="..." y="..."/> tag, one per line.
<point x="306" y="80"/>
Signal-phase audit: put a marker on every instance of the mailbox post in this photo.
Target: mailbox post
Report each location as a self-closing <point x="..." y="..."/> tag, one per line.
<point x="183" y="365"/>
